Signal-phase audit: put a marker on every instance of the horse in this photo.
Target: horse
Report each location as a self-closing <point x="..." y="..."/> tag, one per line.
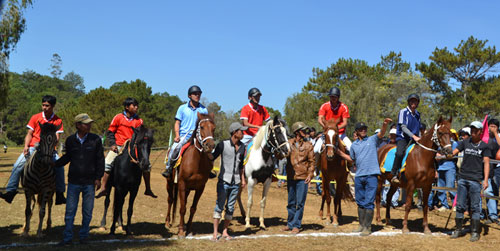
<point x="192" y="173"/>
<point x="333" y="167"/>
<point x="419" y="170"/>
<point x="39" y="177"/>
<point x="126" y="175"/>
<point x="270" y="139"/>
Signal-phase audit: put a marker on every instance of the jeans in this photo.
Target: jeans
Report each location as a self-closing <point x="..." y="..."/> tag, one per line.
<point x="71" y="207"/>
<point x="226" y="192"/>
<point x="492" y="190"/>
<point x="18" y="170"/>
<point x="395" y="196"/>
<point x="366" y="189"/>
<point x="472" y="190"/>
<point x="297" y="193"/>
<point x="446" y="178"/>
<point x="175" y="148"/>
<point x="400" y="154"/>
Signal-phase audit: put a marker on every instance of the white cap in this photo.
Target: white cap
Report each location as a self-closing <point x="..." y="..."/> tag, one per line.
<point x="377" y="131"/>
<point x="477" y="125"/>
<point x="466" y="129"/>
<point x="393" y="131"/>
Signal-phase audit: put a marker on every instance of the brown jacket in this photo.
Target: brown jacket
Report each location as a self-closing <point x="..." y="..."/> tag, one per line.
<point x="300" y="162"/>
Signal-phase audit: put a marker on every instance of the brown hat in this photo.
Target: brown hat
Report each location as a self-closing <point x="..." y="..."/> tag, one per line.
<point x="83" y="118"/>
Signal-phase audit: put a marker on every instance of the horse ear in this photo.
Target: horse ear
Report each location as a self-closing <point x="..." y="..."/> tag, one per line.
<point x="199" y="116"/>
<point x="323" y="121"/>
<point x="337" y="120"/>
<point x="276" y="120"/>
<point x="211" y="116"/>
<point x="39" y="124"/>
<point x="451" y="119"/>
<point x="134" y="129"/>
<point x="58" y="127"/>
<point x="440" y="120"/>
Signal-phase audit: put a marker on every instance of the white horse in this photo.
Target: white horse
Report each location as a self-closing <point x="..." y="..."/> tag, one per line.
<point x="270" y="140"/>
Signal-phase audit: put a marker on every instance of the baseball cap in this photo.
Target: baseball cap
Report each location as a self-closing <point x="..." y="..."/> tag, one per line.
<point x="360" y="125"/>
<point x="476" y="124"/>
<point x="393" y="131"/>
<point x="83" y="118"/>
<point x="236" y="126"/>
<point x="377" y="131"/>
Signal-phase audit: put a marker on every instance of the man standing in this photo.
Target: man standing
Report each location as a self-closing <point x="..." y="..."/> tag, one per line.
<point x="85" y="152"/>
<point x="185" y="123"/>
<point x="299" y="170"/>
<point x="364" y="154"/>
<point x="494" y="176"/>
<point x="475" y="169"/>
<point x="230" y="176"/>
<point x="119" y="131"/>
<point x="30" y="141"/>
<point x="408" y="130"/>
<point x="336" y="110"/>
<point x="253" y="115"/>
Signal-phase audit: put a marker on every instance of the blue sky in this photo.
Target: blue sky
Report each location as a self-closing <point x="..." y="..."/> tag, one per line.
<point x="227" y="47"/>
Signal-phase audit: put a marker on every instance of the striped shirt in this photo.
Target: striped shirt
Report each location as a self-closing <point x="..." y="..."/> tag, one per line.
<point x="412" y="122"/>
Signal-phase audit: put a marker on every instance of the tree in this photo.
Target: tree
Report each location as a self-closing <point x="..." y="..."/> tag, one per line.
<point x="56" y="66"/>
<point x="76" y="81"/>
<point x="394" y="63"/>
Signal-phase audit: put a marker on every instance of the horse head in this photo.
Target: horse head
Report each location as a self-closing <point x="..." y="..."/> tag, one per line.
<point x="331" y="132"/>
<point x="442" y="135"/>
<point x="142" y="141"/>
<point x="48" y="141"/>
<point x="205" y="132"/>
<point x="277" y="138"/>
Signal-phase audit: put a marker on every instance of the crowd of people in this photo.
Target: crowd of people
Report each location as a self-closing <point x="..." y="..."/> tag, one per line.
<point x="89" y="170"/>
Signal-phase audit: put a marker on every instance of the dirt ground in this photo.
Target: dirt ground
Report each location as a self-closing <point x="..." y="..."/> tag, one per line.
<point x="150" y="233"/>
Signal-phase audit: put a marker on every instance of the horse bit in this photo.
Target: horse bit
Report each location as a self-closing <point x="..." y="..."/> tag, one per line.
<point x="435" y="140"/>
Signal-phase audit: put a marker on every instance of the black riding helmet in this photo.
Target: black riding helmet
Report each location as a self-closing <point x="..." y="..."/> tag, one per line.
<point x="194" y="89"/>
<point x="413" y="96"/>
<point x="334" y="91"/>
<point x="254" y="92"/>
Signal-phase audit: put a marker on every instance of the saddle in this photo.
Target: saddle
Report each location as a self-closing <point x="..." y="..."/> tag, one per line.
<point x="388" y="161"/>
<point x="178" y="156"/>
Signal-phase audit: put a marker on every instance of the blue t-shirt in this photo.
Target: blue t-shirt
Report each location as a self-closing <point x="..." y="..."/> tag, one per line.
<point x="412" y="122"/>
<point x="188" y="116"/>
<point x="364" y="154"/>
<point x="445" y="165"/>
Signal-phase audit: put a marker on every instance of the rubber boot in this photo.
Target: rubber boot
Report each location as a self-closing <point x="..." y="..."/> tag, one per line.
<point x="104" y="184"/>
<point x="147" y="182"/>
<point x="9" y="196"/>
<point x="458" y="229"/>
<point x="368" y="222"/>
<point x="168" y="170"/>
<point x="475" y="226"/>
<point x="361" y="218"/>
<point x="60" y="198"/>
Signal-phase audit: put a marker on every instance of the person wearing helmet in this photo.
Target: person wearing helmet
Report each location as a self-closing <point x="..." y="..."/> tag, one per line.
<point x="408" y="130"/>
<point x="185" y="123"/>
<point x="299" y="170"/>
<point x="334" y="109"/>
<point x="119" y="131"/>
<point x="253" y="115"/>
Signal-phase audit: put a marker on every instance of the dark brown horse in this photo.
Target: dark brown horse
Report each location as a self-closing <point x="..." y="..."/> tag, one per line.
<point x="419" y="171"/>
<point x="193" y="172"/>
<point x="333" y="167"/>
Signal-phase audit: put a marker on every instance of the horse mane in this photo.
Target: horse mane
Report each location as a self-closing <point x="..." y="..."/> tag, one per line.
<point x="259" y="137"/>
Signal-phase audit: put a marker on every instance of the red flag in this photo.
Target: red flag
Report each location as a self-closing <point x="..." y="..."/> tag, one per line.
<point x="485" y="135"/>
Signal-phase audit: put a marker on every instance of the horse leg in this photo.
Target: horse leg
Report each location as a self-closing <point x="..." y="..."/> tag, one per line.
<point x="250" y="185"/>
<point x="183" y="194"/>
<point x="27" y="213"/>
<point x="192" y="210"/>
<point x="117" y="207"/>
<point x="41" y="213"/>
<point x="325" y="192"/>
<point x="267" y="185"/>
<point x="240" y="203"/>
<point x="106" y="206"/>
<point x="336" y="203"/>
<point x="130" y="210"/>
<point x="170" y="200"/>
<point x="378" y="198"/>
<point x="328" y="197"/>
<point x="425" y="192"/>
<point x="49" y="211"/>
<point x="409" y="200"/>
<point x="388" y="199"/>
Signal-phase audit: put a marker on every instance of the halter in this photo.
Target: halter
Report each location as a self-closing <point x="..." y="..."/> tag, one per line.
<point x="199" y="138"/>
<point x="275" y="146"/>
<point x="335" y="147"/>
<point x="135" y="161"/>
<point x="435" y="140"/>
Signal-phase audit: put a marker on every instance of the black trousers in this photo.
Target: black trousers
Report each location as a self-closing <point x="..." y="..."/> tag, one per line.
<point x="400" y="154"/>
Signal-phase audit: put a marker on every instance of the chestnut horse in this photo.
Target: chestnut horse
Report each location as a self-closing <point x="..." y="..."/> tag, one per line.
<point x="419" y="171"/>
<point x="333" y="167"/>
<point x="193" y="172"/>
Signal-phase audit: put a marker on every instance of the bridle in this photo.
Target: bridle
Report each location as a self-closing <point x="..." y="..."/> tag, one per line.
<point x="198" y="137"/>
<point x="132" y="159"/>
<point x="274" y="145"/>
<point x="435" y="140"/>
<point x="335" y="147"/>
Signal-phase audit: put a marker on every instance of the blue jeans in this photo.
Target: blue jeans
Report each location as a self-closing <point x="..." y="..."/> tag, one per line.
<point x="365" y="188"/>
<point x="446" y="178"/>
<point x="395" y="196"/>
<point x="226" y="192"/>
<point x="18" y="170"/>
<point x="472" y="190"/>
<point x="492" y="190"/>
<point x="71" y="207"/>
<point x="297" y="193"/>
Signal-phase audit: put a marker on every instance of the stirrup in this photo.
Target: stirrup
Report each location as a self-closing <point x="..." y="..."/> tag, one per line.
<point x="395" y="179"/>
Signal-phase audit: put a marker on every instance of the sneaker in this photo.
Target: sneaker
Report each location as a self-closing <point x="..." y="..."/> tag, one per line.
<point x="166" y="174"/>
<point x="489" y="221"/>
<point x="60" y="199"/>
<point x="442" y="209"/>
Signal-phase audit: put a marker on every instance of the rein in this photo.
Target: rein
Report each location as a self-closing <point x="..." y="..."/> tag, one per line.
<point x="198" y="137"/>
<point x="435" y="140"/>
<point x="135" y="161"/>
<point x="275" y="146"/>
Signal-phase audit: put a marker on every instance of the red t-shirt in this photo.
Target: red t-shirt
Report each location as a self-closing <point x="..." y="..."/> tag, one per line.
<point x="40" y="117"/>
<point x="254" y="116"/>
<point x="339" y="112"/>
<point x="121" y="126"/>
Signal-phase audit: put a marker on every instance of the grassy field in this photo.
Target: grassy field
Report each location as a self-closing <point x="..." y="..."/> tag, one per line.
<point x="150" y="233"/>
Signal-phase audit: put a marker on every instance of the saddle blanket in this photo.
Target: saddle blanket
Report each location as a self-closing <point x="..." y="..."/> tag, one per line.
<point x="248" y="150"/>
<point x="388" y="161"/>
<point x="179" y="159"/>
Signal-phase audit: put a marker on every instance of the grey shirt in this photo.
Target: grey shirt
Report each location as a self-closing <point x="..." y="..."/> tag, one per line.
<point x="231" y="161"/>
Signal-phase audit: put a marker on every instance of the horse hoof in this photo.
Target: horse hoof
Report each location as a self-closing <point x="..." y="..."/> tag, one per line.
<point x="247" y="226"/>
<point x="120" y="228"/>
<point x="335" y="224"/>
<point x="40" y="235"/>
<point x="327" y="223"/>
<point x="24" y="234"/>
<point x="262" y="228"/>
<point x="427" y="231"/>
<point x="101" y="229"/>
<point x="168" y="225"/>
<point x="406" y="231"/>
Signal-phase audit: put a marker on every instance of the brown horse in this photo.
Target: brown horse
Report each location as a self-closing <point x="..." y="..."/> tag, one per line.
<point x="193" y="172"/>
<point x="419" y="171"/>
<point x="333" y="167"/>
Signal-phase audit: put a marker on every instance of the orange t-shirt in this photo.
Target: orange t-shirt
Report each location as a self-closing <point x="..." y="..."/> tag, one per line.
<point x="338" y="112"/>
<point x="254" y="116"/>
<point x="121" y="126"/>
<point x="35" y="127"/>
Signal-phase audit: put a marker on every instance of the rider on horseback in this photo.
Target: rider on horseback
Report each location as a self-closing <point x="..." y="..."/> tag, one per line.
<point x="119" y="131"/>
<point x="337" y="110"/>
<point x="408" y="129"/>
<point x="253" y="115"/>
<point x="185" y="123"/>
